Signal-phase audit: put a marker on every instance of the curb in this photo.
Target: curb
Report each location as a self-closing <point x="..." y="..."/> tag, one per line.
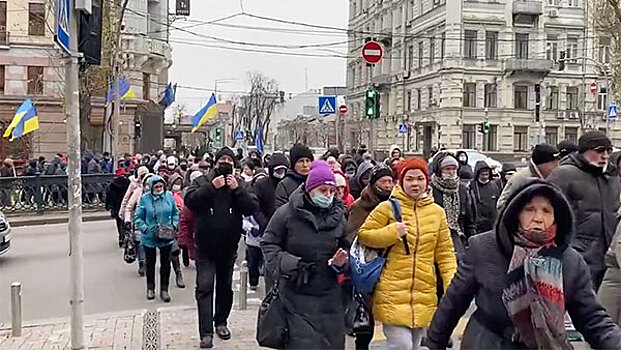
<point x="36" y="221"/>
<point x="87" y="319"/>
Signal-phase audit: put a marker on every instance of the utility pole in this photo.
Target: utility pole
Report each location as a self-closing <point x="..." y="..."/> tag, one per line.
<point x="116" y="118"/>
<point x="76" y="252"/>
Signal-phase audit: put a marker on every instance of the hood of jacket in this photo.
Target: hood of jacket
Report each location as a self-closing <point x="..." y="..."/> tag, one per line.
<point x="362" y="169"/>
<point x="392" y="149"/>
<point x="346" y="182"/>
<point x="277" y="159"/>
<point x="436" y="169"/>
<point x="480" y="166"/>
<point x="155" y="179"/>
<point x="172" y="178"/>
<point x="508" y="222"/>
<point x="301" y="206"/>
<point x="460" y="153"/>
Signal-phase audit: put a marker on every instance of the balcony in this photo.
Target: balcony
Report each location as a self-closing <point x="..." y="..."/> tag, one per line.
<point x="532" y="8"/>
<point x="382" y="79"/>
<point x="532" y="65"/>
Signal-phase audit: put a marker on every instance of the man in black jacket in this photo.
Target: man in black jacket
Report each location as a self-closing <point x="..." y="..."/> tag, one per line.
<point x="114" y="196"/>
<point x="484" y="193"/>
<point x="590" y="184"/>
<point x="219" y="201"/>
<point x="301" y="158"/>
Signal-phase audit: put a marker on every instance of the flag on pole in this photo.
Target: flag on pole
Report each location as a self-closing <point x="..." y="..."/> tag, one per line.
<point x="258" y="138"/>
<point x="125" y="91"/>
<point x="169" y="95"/>
<point x="26" y="120"/>
<point x="206" y="113"/>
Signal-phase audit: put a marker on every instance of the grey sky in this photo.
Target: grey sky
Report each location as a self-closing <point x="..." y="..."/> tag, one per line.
<point x="200" y="66"/>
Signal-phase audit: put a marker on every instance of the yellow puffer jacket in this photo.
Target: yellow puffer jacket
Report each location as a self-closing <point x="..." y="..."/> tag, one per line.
<point x="406" y="292"/>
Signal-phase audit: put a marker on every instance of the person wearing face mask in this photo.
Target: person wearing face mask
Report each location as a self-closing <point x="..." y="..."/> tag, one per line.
<point x="301" y="158"/>
<point x="361" y="179"/>
<point x="449" y="193"/>
<point x="543" y="161"/>
<point x="464" y="170"/>
<point x="506" y="173"/>
<point x="342" y="189"/>
<point x="380" y="186"/>
<point x="590" y="183"/>
<point x="349" y="168"/>
<point x="248" y="170"/>
<point x="107" y="164"/>
<point x="169" y="168"/>
<point x="523" y="277"/>
<point x="305" y="243"/>
<point x="176" y="188"/>
<point x="484" y="193"/>
<point x="218" y="200"/>
<point x="404" y="299"/>
<point x="157" y="208"/>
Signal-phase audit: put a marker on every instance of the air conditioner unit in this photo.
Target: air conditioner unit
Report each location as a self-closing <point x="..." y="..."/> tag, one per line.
<point x="553" y="13"/>
<point x="574" y="115"/>
<point x="560" y="115"/>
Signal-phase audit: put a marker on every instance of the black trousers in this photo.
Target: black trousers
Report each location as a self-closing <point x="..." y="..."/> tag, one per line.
<point x="120" y="228"/>
<point x="151" y="257"/>
<point x="210" y="270"/>
<point x="254" y="257"/>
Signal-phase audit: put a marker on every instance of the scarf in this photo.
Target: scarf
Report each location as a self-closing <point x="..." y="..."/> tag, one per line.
<point x="450" y="196"/>
<point x="534" y="296"/>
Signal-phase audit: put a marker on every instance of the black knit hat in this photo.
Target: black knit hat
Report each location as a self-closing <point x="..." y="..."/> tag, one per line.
<point x="544" y="153"/>
<point x="298" y="152"/>
<point x="379" y="171"/>
<point x="593" y="139"/>
<point x="225" y="151"/>
<point x="566" y="148"/>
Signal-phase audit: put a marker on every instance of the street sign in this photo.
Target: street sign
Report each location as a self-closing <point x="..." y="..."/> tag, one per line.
<point x="403" y="128"/>
<point x="343" y="109"/>
<point x="63" y="18"/>
<point x="612" y="111"/>
<point x="183" y="8"/>
<point x="327" y="105"/>
<point x="593" y="88"/>
<point x="372" y="52"/>
<point x="239" y="135"/>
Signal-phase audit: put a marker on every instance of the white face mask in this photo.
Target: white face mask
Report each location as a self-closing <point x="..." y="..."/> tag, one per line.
<point x="171" y="166"/>
<point x="176" y="187"/>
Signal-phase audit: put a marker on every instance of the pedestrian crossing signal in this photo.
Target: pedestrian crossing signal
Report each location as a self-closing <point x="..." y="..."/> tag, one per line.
<point x="218" y="134"/>
<point x="372" y="104"/>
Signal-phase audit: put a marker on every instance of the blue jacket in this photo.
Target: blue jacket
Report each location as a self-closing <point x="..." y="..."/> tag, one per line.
<point x="153" y="210"/>
<point x="107" y="166"/>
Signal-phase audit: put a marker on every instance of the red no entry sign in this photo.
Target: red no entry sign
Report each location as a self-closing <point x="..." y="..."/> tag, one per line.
<point x="593" y="88"/>
<point x="372" y="52"/>
<point x="343" y="109"/>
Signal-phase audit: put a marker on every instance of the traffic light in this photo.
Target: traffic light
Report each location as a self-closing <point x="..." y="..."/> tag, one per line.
<point x="372" y="104"/>
<point x="89" y="36"/>
<point x="138" y="128"/>
<point x="218" y="134"/>
<point x="484" y="128"/>
<point x="561" y="61"/>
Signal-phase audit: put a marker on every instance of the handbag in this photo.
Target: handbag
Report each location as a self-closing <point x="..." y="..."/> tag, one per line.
<point x="362" y="319"/>
<point x="163" y="232"/>
<point x="272" y="327"/>
<point x="366" y="264"/>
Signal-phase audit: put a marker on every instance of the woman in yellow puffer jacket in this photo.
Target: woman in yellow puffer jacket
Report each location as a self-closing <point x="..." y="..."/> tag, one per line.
<point x="404" y="299"/>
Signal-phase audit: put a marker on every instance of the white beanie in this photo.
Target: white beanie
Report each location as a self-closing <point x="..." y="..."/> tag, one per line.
<point x="194" y="175"/>
<point x="340" y="180"/>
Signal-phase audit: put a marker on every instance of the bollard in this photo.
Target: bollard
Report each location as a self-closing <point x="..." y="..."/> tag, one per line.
<point x="243" y="286"/>
<point x="16" y="309"/>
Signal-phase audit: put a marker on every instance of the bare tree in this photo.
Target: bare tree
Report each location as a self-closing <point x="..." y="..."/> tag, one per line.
<point x="256" y="108"/>
<point x="608" y="24"/>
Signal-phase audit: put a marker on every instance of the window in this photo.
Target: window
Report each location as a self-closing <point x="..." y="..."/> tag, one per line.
<point x="601" y="98"/>
<point x="520" y="96"/>
<point x="470" y="94"/>
<point x="35" y="80"/>
<point x="521" y="45"/>
<point x="520" y="138"/>
<point x="551" y="135"/>
<point x="553" y="104"/>
<point x="491" y="95"/>
<point x="604" y="49"/>
<point x="571" y="134"/>
<point x="420" y="54"/>
<point x="470" y="44"/>
<point x="554" y="2"/>
<point x="552" y="48"/>
<point x="572" y="98"/>
<point x="572" y="3"/>
<point x="36" y="19"/>
<point x="421" y="7"/>
<point x="430" y="95"/>
<point x="408" y="102"/>
<point x="418" y="99"/>
<point x="146" y="86"/>
<point x="469" y="136"/>
<point x="3" y="35"/>
<point x="490" y="140"/>
<point x="442" y="45"/>
<point x="1" y="80"/>
<point x="432" y="50"/>
<point x="572" y="48"/>
<point x="411" y="56"/>
<point x="491" y="45"/>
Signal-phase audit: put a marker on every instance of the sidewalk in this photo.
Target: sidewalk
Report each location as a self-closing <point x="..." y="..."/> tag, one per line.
<point x="59" y="217"/>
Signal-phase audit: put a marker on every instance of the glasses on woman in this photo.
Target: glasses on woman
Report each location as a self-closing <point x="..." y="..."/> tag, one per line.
<point x="602" y="149"/>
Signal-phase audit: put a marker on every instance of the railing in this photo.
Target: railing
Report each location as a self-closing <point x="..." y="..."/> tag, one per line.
<point x="41" y="193"/>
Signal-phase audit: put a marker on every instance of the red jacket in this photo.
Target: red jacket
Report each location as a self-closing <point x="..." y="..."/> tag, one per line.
<point x="186" y="231"/>
<point x="348" y="199"/>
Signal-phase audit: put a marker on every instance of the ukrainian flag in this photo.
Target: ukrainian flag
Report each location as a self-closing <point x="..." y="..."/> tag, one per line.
<point x="26" y="120"/>
<point x="206" y="113"/>
<point x="125" y="91"/>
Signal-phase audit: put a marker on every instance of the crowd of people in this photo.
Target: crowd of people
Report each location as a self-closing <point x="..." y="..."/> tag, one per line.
<point x="532" y="247"/>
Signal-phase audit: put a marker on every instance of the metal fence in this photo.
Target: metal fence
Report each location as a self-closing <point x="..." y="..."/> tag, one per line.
<point x="41" y="193"/>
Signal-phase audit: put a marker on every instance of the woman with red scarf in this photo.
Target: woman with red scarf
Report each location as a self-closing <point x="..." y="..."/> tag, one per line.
<point x="342" y="189"/>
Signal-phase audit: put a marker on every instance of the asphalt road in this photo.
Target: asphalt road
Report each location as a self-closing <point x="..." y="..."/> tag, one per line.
<point x="39" y="260"/>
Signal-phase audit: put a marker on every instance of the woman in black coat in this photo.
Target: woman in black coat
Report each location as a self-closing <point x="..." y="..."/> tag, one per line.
<point x="305" y="243"/>
<point x="524" y="276"/>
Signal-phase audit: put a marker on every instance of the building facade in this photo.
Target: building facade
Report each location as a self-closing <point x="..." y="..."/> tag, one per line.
<point x="450" y="65"/>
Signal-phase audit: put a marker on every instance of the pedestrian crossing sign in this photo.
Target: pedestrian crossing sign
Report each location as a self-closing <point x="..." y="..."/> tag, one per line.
<point x="403" y="128"/>
<point x="327" y="105"/>
<point x="612" y="111"/>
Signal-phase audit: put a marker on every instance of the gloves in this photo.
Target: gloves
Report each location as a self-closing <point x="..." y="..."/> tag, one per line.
<point x="128" y="226"/>
<point x="305" y="269"/>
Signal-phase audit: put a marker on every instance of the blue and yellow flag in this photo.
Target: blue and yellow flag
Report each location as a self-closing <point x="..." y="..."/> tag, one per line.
<point x="125" y="91"/>
<point x="26" y="120"/>
<point x="206" y="113"/>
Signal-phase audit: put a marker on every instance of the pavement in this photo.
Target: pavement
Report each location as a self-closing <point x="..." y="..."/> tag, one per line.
<point x="50" y="218"/>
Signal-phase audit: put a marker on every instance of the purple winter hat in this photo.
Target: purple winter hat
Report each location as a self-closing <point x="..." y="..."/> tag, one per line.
<point x="320" y="174"/>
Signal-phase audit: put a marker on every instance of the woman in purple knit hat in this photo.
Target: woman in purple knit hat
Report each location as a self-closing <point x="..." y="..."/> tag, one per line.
<point x="306" y="246"/>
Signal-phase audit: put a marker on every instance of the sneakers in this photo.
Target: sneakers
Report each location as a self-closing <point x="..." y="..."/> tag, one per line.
<point x="207" y="342"/>
<point x="223" y="332"/>
<point x="165" y="296"/>
<point x="150" y="294"/>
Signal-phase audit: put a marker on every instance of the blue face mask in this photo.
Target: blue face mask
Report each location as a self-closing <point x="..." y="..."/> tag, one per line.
<point x="322" y="201"/>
